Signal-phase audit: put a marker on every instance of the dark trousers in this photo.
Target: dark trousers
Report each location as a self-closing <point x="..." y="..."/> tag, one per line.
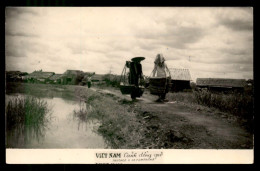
<point x="89" y="84"/>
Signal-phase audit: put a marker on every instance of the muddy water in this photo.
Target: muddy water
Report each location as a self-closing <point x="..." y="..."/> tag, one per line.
<point x="65" y="131"/>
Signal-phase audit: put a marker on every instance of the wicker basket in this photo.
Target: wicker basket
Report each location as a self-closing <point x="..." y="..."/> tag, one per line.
<point x="159" y="85"/>
<point x="127" y="89"/>
<point x="157" y="90"/>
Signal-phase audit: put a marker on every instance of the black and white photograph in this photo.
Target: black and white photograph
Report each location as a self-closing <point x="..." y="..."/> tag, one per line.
<point x="140" y="81"/>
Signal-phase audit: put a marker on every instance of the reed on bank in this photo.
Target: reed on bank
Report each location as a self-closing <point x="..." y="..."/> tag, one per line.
<point x="26" y="118"/>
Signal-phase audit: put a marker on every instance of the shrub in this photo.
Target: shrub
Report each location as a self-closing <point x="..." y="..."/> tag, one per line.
<point x="112" y="80"/>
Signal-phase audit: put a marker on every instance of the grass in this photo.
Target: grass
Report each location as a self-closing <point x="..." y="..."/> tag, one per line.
<point x="186" y="97"/>
<point x="26" y="118"/>
<point x="124" y="125"/>
<point x="239" y="104"/>
<point x="118" y="122"/>
<point x="236" y="104"/>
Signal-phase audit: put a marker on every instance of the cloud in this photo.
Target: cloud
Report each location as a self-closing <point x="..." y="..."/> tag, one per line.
<point x="14" y="11"/>
<point x="180" y="37"/>
<point x="237" y="24"/>
<point x="222" y="58"/>
<point x="207" y="41"/>
<point x="87" y="46"/>
<point x="22" y="46"/>
<point x="19" y="24"/>
<point x="237" y="51"/>
<point x="237" y="19"/>
<point x="147" y="44"/>
<point x="15" y="53"/>
<point x="75" y="48"/>
<point x="222" y="68"/>
<point x="172" y="32"/>
<point x="9" y="32"/>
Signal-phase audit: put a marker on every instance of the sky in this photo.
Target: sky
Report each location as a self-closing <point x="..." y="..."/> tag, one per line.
<point x="212" y="42"/>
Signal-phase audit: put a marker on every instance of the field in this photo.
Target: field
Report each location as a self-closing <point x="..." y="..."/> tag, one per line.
<point x="184" y="122"/>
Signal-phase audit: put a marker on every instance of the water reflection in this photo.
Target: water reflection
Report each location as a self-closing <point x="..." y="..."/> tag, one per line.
<point x="64" y="131"/>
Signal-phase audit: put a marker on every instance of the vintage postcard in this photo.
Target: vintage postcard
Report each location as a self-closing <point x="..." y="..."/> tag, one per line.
<point x="129" y="85"/>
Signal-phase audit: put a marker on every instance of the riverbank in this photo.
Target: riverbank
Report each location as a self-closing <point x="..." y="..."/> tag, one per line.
<point x="30" y="126"/>
<point x="41" y="90"/>
<point x="147" y="124"/>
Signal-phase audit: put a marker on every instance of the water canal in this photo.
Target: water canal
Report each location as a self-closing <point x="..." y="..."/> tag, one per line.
<point x="63" y="130"/>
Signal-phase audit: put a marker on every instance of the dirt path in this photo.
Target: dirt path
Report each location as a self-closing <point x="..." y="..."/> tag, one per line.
<point x="190" y="126"/>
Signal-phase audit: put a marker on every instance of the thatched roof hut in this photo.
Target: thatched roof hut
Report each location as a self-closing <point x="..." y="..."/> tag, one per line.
<point x="55" y="77"/>
<point x="39" y="76"/>
<point x="72" y="77"/>
<point x="72" y="73"/>
<point x="220" y="82"/>
<point x="180" y="79"/>
<point x="180" y="74"/>
<point x="97" y="77"/>
<point x="15" y="75"/>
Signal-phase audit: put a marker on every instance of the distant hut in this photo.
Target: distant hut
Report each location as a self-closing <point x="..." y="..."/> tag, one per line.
<point x="39" y="77"/>
<point x="15" y="76"/>
<point x="55" y="79"/>
<point x="221" y="84"/>
<point x="98" y="78"/>
<point x="89" y="73"/>
<point x="180" y="79"/>
<point x="85" y="78"/>
<point x="72" y="77"/>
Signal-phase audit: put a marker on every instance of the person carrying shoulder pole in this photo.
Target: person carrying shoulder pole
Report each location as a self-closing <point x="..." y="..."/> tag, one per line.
<point x="161" y="70"/>
<point x="89" y="81"/>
